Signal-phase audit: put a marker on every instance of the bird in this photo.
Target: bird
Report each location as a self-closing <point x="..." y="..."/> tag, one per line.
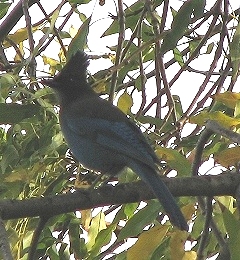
<point x="102" y="137"/>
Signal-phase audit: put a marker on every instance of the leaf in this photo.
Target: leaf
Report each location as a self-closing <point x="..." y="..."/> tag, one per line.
<point x="209" y="48"/>
<point x="190" y="255"/>
<point x="178" y="56"/>
<point x="80" y="39"/>
<point x="19" y="36"/>
<point x="14" y="113"/>
<point x="193" y="45"/>
<point x="3" y="9"/>
<point x="9" y="156"/>
<point x="228" y="98"/>
<point x="237" y="109"/>
<point x="199" y="6"/>
<point x="76" y="245"/>
<point x="179" y="26"/>
<point x="235" y="51"/>
<point x="143" y="217"/>
<point x="125" y="102"/>
<point x="220" y="117"/>
<point x="228" y="157"/>
<point x="176" y="160"/>
<point x="130" y="18"/>
<point x="130" y="208"/>
<point x="177" y="242"/>
<point x="79" y="1"/>
<point x="103" y="238"/>
<point x="147" y="242"/>
<point x="54" y="64"/>
<point x="97" y="224"/>
<point x="8" y="79"/>
<point x="233" y="229"/>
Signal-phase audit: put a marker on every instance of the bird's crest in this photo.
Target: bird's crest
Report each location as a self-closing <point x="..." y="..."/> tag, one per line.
<point x="76" y="67"/>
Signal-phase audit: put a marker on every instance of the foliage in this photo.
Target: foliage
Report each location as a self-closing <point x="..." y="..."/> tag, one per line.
<point x="171" y="66"/>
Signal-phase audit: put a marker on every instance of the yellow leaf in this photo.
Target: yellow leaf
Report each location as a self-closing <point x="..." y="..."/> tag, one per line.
<point x="17" y="176"/>
<point x="147" y="242"/>
<point x="98" y="223"/>
<point x="125" y="102"/>
<point x="228" y="157"/>
<point x="220" y="117"/>
<point x="227" y="201"/>
<point x="51" y="62"/>
<point x="86" y="217"/>
<point x="73" y="31"/>
<point x="190" y="255"/>
<point x="188" y="210"/>
<point x="100" y="86"/>
<point x="175" y="160"/>
<point x="228" y="98"/>
<point x="177" y="243"/>
<point x="19" y="36"/>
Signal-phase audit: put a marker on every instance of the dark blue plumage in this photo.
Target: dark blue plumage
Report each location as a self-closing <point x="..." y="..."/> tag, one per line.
<point x="102" y="138"/>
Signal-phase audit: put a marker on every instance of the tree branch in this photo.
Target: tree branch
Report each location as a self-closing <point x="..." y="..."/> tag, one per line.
<point x="224" y="184"/>
<point x="11" y="20"/>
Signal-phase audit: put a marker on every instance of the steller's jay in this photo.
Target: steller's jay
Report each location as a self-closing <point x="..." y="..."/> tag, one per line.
<point x="102" y="137"/>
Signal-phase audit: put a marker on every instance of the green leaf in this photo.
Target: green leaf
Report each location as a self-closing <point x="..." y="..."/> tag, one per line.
<point x="130" y="208"/>
<point x="178" y="56"/>
<point x="131" y="18"/>
<point x="175" y="160"/>
<point x="103" y="238"/>
<point x="79" y="1"/>
<point x="199" y="6"/>
<point x="210" y="48"/>
<point x="179" y="26"/>
<point x="235" y="51"/>
<point x="233" y="230"/>
<point x="97" y="224"/>
<point x="10" y="155"/>
<point x="3" y="9"/>
<point x="14" y="113"/>
<point x="80" y="39"/>
<point x="139" y="220"/>
<point x="76" y="245"/>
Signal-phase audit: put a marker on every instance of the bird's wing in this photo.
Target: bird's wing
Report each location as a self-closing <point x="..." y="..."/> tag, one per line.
<point x="116" y="136"/>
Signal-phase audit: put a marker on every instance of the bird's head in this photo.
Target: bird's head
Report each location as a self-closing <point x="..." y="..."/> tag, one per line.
<point x="71" y="81"/>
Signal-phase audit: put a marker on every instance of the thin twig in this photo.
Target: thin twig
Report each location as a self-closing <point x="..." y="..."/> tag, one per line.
<point x="37" y="233"/>
<point x="121" y="37"/>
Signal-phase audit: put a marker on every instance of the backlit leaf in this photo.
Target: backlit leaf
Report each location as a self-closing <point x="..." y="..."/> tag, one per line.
<point x="147" y="242"/>
<point x="235" y="51"/>
<point x="125" y="102"/>
<point x="177" y="242"/>
<point x="228" y="157"/>
<point x="139" y="220"/>
<point x="228" y="98"/>
<point x="80" y="39"/>
<point x="175" y="160"/>
<point x="220" y="117"/>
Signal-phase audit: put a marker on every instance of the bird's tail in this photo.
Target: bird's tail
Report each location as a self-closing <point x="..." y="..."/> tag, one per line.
<point x="163" y="194"/>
